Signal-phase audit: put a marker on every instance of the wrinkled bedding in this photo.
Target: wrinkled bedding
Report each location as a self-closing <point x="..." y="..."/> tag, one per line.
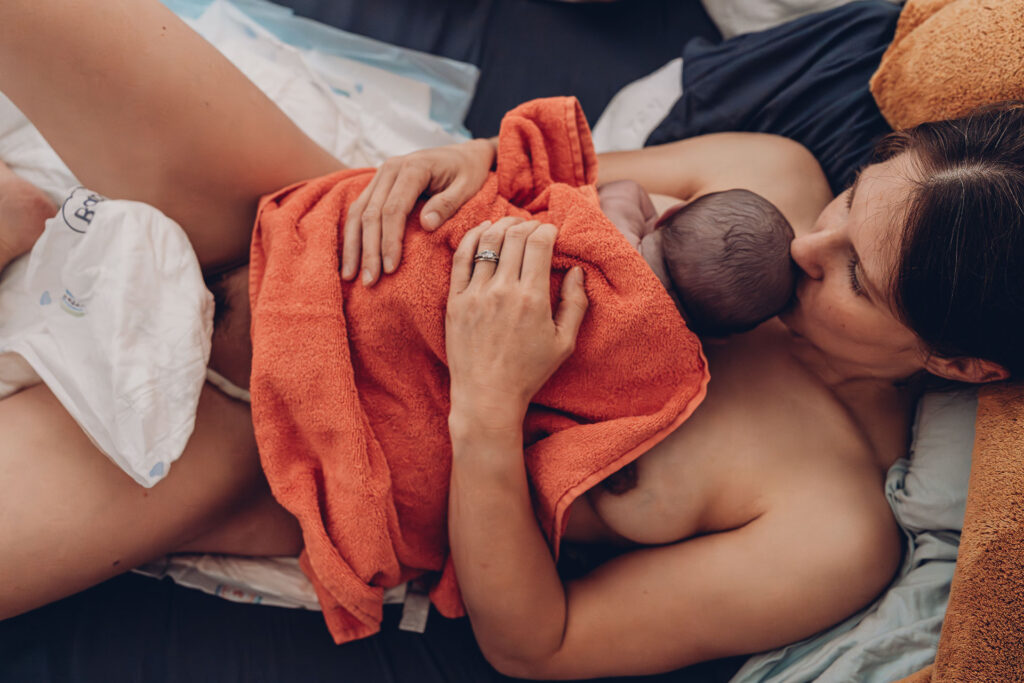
<point x="898" y="634"/>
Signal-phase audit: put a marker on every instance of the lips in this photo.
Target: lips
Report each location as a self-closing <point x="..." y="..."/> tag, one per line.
<point x="803" y="283"/>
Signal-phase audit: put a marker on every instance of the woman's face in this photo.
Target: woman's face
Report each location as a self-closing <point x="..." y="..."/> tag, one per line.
<point x="843" y="296"/>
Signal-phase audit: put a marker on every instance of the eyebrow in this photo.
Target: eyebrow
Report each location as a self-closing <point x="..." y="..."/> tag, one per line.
<point x="853" y="188"/>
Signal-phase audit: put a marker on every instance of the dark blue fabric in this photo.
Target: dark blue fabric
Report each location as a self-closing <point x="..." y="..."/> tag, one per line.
<point x="806" y="80"/>
<point x="137" y="630"/>
<point x="529" y="48"/>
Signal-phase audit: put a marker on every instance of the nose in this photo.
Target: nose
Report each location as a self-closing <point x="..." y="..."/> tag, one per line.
<point x="808" y="251"/>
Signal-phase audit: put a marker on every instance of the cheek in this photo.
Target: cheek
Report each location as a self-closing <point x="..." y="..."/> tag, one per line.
<point x="826" y="312"/>
<point x="830" y="215"/>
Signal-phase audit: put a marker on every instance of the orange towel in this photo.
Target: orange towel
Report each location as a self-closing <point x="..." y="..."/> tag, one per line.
<point x="350" y="385"/>
<point x="948" y="57"/>
<point x="983" y="632"/>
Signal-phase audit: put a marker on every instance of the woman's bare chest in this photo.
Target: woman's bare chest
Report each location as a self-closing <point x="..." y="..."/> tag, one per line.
<point x="763" y="427"/>
<point x="681" y="487"/>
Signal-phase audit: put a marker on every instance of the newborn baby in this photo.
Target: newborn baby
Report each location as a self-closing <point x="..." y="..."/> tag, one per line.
<point x="724" y="257"/>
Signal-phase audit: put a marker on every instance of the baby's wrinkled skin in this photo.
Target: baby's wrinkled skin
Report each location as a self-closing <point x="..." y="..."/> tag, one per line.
<point x="633" y="212"/>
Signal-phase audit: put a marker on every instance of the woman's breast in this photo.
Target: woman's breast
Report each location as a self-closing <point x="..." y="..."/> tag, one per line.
<point x="678" y="494"/>
<point x="697" y="480"/>
<point x="763" y="423"/>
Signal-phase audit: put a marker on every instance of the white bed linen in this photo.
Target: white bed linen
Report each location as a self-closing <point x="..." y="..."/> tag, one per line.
<point x="735" y="17"/>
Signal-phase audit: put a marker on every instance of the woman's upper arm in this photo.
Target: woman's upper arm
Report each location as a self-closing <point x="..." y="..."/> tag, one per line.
<point x="781" y="170"/>
<point x="780" y="578"/>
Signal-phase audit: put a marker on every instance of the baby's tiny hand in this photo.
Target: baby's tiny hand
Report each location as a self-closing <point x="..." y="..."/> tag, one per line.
<point x="629" y="208"/>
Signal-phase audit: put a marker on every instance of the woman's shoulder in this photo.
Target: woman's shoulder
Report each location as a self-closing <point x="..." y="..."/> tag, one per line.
<point x="779" y="169"/>
<point x="760" y="389"/>
<point x="810" y="453"/>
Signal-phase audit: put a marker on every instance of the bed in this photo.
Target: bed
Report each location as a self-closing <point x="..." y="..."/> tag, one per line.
<point x="134" y="628"/>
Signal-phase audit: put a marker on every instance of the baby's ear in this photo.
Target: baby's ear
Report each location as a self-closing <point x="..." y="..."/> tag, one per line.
<point x="964" y="369"/>
<point x="668" y="214"/>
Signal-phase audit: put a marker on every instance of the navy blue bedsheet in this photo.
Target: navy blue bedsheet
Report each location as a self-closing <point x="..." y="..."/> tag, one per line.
<point x="135" y="629"/>
<point x="529" y="48"/>
<point x="806" y="80"/>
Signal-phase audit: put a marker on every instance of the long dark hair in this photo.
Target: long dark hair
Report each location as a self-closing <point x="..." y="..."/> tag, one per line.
<point x="959" y="281"/>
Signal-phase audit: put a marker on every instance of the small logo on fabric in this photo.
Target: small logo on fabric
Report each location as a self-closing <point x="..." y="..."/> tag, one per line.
<point x="80" y="208"/>
<point x="72" y="305"/>
<point x="236" y="594"/>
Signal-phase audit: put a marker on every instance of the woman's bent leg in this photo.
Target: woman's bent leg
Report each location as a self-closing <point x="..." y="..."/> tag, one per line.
<point x="141" y="107"/>
<point x="69" y="518"/>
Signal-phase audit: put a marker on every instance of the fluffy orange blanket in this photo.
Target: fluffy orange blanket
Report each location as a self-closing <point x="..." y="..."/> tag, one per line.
<point x="948" y="57"/>
<point x="350" y="385"/>
<point x="983" y="632"/>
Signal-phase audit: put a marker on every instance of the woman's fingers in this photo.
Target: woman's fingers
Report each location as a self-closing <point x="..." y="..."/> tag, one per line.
<point x="362" y="221"/>
<point x="462" y="261"/>
<point x="352" y="232"/>
<point x="372" y="223"/>
<point x="512" y="250"/>
<point x="405" y="191"/>
<point x="501" y="339"/>
<point x="536" y="269"/>
<point x="571" y="308"/>
<point x="375" y="222"/>
<point x="491" y="240"/>
<point x="444" y="204"/>
<point x="456" y="173"/>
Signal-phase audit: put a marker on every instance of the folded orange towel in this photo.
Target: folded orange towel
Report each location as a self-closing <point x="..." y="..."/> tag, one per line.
<point x="949" y="57"/>
<point x="983" y="632"/>
<point x="350" y="385"/>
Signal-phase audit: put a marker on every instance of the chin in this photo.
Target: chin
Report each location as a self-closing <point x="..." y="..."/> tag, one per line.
<point x="791" y="318"/>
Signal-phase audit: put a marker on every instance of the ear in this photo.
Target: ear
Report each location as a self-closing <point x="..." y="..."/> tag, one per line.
<point x="668" y="214"/>
<point x="970" y="370"/>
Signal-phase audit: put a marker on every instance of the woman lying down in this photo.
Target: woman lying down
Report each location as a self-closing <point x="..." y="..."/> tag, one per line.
<point x="758" y="521"/>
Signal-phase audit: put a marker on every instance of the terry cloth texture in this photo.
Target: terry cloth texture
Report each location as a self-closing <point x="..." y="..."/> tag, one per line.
<point x="950" y="56"/>
<point x="806" y="80"/>
<point x="983" y="632"/>
<point x="350" y="385"/>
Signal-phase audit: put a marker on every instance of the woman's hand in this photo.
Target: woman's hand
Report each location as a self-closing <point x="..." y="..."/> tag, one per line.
<point x="501" y="339"/>
<point x="375" y="222"/>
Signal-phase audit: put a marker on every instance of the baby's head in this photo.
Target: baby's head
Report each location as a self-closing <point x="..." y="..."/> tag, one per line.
<point x="727" y="255"/>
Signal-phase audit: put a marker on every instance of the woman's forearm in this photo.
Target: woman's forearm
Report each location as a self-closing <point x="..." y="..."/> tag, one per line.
<point x="506" y="573"/>
<point x="502" y="344"/>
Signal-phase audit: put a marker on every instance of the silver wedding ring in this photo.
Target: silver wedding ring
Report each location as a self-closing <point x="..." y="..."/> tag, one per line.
<point x="486" y="255"/>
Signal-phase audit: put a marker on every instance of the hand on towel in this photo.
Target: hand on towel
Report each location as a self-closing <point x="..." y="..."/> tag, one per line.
<point x="501" y="340"/>
<point x="375" y="222"/>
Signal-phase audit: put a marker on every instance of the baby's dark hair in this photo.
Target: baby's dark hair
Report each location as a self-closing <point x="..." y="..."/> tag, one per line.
<point x="727" y="254"/>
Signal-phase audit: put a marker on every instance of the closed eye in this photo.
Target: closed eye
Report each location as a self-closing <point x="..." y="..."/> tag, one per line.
<point x="854" y="280"/>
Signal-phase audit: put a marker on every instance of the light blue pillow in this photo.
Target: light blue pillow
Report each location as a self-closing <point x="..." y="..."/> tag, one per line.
<point x="898" y="634"/>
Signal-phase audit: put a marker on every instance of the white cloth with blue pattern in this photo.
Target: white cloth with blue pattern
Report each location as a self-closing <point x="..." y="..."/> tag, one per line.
<point x="110" y="311"/>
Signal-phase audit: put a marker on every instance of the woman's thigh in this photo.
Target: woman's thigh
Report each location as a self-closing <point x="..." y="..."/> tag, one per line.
<point x="141" y="107"/>
<point x="70" y="518"/>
